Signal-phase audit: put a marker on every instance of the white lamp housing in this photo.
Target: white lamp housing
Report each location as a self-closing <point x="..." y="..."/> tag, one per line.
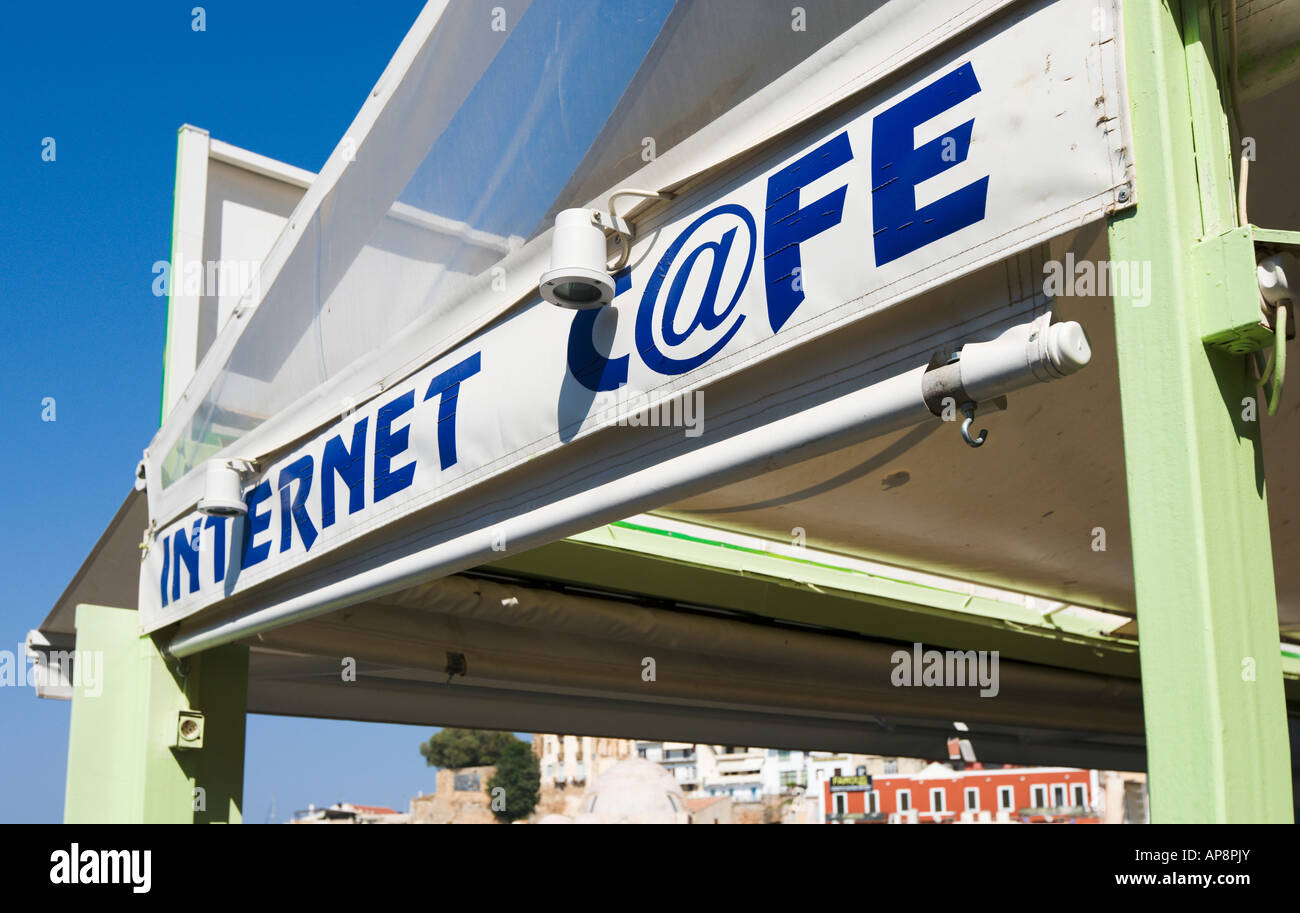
<point x="579" y="276"/>
<point x="1278" y="274"/>
<point x="223" y="488"/>
<point x="1023" y="355"/>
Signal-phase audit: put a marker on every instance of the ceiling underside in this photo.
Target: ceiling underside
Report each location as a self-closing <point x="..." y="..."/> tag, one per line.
<point x="1024" y="511"/>
<point x="305" y="686"/>
<point x="542" y="659"/>
<point x="516" y="655"/>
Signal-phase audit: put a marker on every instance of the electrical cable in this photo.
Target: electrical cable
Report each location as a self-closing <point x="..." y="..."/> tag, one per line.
<point x="624" y="243"/>
<point x="1279" y="360"/>
<point x="1274" y="370"/>
<point x="1243" y="169"/>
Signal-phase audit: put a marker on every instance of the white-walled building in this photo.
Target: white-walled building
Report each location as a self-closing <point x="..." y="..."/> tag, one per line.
<point x="747" y="774"/>
<point x="569" y="760"/>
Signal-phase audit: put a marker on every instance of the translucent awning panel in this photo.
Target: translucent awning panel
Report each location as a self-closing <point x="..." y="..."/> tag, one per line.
<point x="550" y="104"/>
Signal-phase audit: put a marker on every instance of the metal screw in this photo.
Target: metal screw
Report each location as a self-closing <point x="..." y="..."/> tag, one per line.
<point x="1123" y="195"/>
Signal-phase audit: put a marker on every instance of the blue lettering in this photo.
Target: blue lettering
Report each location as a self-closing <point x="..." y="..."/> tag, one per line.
<point x="167" y="563"/>
<point x="254" y="524"/>
<point x="596" y="372"/>
<point x="706" y="317"/>
<point x="389" y="444"/>
<point x="645" y="343"/>
<point x="350" y="464"/>
<point x="185" y="554"/>
<point x="786" y="226"/>
<point x="447" y="386"/>
<point x="897" y="167"/>
<point x="218" y="527"/>
<point x="300" y="471"/>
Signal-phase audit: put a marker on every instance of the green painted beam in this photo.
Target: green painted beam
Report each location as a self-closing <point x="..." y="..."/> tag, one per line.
<point x="1217" y="747"/>
<point x="123" y="766"/>
<point x="654" y="564"/>
<point x="1225" y="272"/>
<point x="642" y="561"/>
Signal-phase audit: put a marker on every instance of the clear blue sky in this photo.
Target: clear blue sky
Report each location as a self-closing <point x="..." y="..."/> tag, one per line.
<point x="78" y="237"/>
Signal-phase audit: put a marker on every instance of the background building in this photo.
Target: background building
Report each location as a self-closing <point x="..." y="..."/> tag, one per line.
<point x="460" y="797"/>
<point x="567" y="760"/>
<point x="347" y="813"/>
<point x="940" y="794"/>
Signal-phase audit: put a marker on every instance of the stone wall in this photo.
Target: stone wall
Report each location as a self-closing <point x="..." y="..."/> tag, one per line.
<point x="558" y="801"/>
<point x="767" y="810"/>
<point x="449" y="805"/>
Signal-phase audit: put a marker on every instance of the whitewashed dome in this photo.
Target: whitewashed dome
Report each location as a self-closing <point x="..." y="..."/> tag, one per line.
<point x="555" y="819"/>
<point x="635" y="791"/>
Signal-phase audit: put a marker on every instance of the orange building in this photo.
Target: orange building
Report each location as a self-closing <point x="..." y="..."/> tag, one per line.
<point x="939" y="794"/>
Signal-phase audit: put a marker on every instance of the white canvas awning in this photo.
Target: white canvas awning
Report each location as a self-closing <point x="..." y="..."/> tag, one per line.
<point x="489" y="330"/>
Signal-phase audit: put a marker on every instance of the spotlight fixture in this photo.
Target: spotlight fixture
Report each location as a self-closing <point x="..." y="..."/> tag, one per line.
<point x="223" y="488"/>
<point x="1278" y="275"/>
<point x="579" y="277"/>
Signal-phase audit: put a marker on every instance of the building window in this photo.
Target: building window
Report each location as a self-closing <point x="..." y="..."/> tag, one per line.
<point x="972" y="799"/>
<point x="891" y="766"/>
<point x="1080" y="795"/>
<point x="1038" y="797"/>
<point x="789" y="778"/>
<point x="783" y="755"/>
<point x="1058" y="796"/>
<point x="873" y="802"/>
<point x="841" y="804"/>
<point x="936" y="799"/>
<point x="904" y="800"/>
<point x="1006" y="798"/>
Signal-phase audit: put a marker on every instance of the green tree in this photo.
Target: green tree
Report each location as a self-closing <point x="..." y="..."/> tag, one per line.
<point x="456" y="748"/>
<point x="516" y="786"/>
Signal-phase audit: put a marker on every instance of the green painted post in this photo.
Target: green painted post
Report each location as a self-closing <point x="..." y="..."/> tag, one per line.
<point x="1217" y="746"/>
<point x="122" y="763"/>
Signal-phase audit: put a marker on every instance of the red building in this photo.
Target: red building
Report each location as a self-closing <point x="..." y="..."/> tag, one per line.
<point x="940" y="794"/>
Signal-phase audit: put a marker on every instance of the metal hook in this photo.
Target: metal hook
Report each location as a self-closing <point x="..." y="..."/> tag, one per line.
<point x="968" y="410"/>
